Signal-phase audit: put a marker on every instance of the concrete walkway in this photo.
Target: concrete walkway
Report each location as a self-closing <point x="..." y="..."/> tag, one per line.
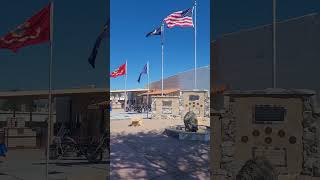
<point x="121" y="115"/>
<point x="30" y="165"/>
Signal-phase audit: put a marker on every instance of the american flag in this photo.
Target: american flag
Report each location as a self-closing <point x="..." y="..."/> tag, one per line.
<point x="180" y="18"/>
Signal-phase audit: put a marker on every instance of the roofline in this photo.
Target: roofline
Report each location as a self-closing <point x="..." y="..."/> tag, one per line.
<point x="271" y="92"/>
<point x="208" y="66"/>
<point x="266" y="25"/>
<point x="159" y="93"/>
<point x="54" y="92"/>
<point x="129" y="90"/>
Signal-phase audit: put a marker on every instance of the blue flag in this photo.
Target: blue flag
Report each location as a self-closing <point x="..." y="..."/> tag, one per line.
<point x="144" y="71"/>
<point x="94" y="52"/>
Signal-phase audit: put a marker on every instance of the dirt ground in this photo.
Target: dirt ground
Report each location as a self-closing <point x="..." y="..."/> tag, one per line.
<point x="144" y="152"/>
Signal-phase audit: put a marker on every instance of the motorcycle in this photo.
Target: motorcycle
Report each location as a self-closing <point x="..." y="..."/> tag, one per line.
<point x="65" y="146"/>
<point x="95" y="150"/>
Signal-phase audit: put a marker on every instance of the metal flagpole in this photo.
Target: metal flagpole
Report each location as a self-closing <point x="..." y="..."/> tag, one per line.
<point x="49" y="133"/>
<point x="125" y="88"/>
<point x="148" y="90"/>
<point x="195" y="44"/>
<point x="274" y="82"/>
<point x="162" y="30"/>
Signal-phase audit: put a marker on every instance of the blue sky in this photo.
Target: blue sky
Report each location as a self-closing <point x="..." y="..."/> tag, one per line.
<point x="132" y="20"/>
<point x="234" y="15"/>
<point x="76" y="27"/>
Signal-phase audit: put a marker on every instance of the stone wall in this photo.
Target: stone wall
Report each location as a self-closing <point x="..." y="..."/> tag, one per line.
<point x="228" y="162"/>
<point x="181" y="105"/>
<point x="302" y="122"/>
<point x="311" y="139"/>
<point x="165" y="107"/>
<point x="207" y="107"/>
<point x="201" y="106"/>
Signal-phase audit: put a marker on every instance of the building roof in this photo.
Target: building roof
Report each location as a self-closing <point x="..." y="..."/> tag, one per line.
<point x="298" y="65"/>
<point x="271" y="92"/>
<point x="159" y="92"/>
<point x="129" y="90"/>
<point x="266" y="25"/>
<point x="100" y="104"/>
<point x="218" y="89"/>
<point x="185" y="80"/>
<point x="56" y="92"/>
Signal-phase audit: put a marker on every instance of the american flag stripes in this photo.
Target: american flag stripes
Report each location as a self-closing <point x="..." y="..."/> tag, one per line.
<point x="180" y="18"/>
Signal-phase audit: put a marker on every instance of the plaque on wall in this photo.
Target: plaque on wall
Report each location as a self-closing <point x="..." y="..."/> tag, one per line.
<point x="166" y="110"/>
<point x="276" y="156"/>
<point x="167" y="107"/>
<point x="194" y="98"/>
<point x="268" y="114"/>
<point x="167" y="103"/>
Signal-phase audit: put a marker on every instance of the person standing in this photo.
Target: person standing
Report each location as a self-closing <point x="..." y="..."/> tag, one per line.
<point x="3" y="147"/>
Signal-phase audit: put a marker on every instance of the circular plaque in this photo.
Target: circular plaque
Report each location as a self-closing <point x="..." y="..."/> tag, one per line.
<point x="256" y="133"/>
<point x="292" y="140"/>
<point x="244" y="139"/>
<point x="268" y="140"/>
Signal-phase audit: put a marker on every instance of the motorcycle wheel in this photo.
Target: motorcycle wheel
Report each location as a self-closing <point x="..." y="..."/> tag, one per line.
<point x="93" y="155"/>
<point x="53" y="153"/>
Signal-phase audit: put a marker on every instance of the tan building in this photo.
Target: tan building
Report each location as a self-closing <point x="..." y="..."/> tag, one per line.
<point x="118" y="97"/>
<point x="24" y="114"/>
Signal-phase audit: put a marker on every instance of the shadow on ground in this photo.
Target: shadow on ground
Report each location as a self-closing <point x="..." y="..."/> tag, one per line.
<point x="73" y="163"/>
<point x="153" y="155"/>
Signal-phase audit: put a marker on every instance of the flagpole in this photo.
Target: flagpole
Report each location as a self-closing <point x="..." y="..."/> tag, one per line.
<point x="162" y="46"/>
<point x="148" y="90"/>
<point x="274" y="80"/>
<point x="125" y="87"/>
<point x="195" y="44"/>
<point x="49" y="133"/>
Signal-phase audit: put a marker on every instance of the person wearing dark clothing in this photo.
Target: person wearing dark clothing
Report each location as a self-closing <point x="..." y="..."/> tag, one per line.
<point x="3" y="150"/>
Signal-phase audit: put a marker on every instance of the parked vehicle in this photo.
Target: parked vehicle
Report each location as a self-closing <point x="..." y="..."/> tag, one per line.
<point x="95" y="150"/>
<point x="65" y="146"/>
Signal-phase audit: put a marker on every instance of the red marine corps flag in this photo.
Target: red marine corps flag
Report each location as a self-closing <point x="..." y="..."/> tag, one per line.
<point x="120" y="71"/>
<point x="33" y="31"/>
